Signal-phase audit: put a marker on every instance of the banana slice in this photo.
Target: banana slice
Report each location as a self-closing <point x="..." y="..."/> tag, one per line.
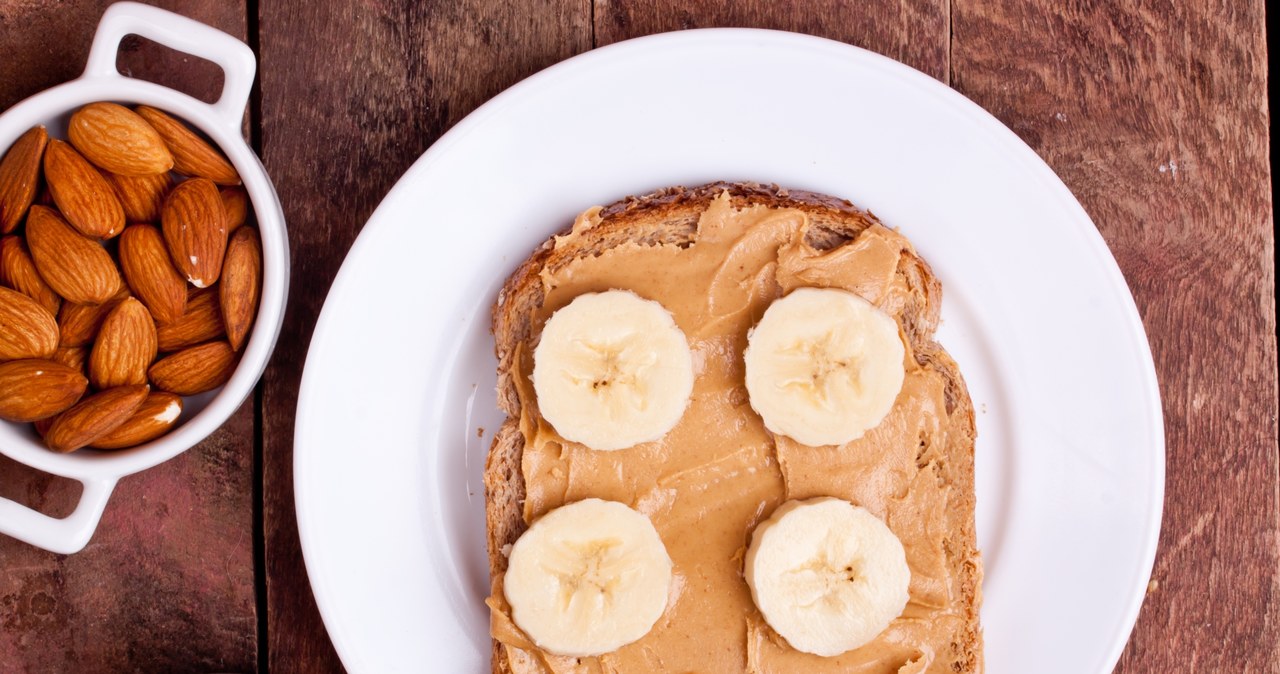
<point x="823" y="366"/>
<point x="612" y="370"/>
<point x="826" y="575"/>
<point x="588" y="578"/>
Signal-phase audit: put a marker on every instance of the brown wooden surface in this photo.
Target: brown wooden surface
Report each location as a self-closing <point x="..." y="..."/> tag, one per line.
<point x="1154" y="114"/>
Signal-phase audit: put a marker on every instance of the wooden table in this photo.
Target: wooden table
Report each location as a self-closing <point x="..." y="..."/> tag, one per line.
<point x="1154" y="113"/>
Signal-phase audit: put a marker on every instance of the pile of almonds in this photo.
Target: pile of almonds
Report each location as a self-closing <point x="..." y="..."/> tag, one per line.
<point x="130" y="281"/>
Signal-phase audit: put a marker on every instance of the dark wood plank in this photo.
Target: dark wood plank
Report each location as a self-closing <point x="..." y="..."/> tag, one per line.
<point x="1155" y="115"/>
<point x="167" y="583"/>
<point x="336" y="134"/>
<point x="46" y="44"/>
<point x="913" y="31"/>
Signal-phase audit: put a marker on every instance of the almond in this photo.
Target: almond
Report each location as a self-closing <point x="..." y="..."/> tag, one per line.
<point x="236" y="202"/>
<point x="27" y="330"/>
<point x="85" y="198"/>
<point x="36" y="389"/>
<point x="153" y="418"/>
<point x="194" y="370"/>
<point x="150" y="273"/>
<point x="141" y="196"/>
<point x="201" y="322"/>
<point x="241" y="284"/>
<point x="74" y="357"/>
<point x="116" y="139"/>
<point x="78" y="323"/>
<point x="18" y="271"/>
<point x="192" y="156"/>
<point x="77" y="267"/>
<point x="125" y="347"/>
<point x="42" y="425"/>
<point x="94" y="417"/>
<point x="195" y="230"/>
<point x="20" y="177"/>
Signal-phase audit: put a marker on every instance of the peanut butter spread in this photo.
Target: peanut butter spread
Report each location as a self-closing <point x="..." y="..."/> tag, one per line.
<point x="719" y="472"/>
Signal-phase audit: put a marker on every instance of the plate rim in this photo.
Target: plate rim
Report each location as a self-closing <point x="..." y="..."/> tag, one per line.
<point x="1014" y="147"/>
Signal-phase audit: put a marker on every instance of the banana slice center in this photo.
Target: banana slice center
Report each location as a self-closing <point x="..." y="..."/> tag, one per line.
<point x="616" y="372"/>
<point x="590" y="569"/>
<point x="826" y="575"/>
<point x="612" y="370"/>
<point x="827" y="578"/>
<point x="824" y="366"/>
<point x="820" y="369"/>
<point x="588" y="578"/>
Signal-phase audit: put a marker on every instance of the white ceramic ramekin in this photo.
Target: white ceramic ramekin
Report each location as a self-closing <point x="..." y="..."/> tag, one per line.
<point x="221" y="122"/>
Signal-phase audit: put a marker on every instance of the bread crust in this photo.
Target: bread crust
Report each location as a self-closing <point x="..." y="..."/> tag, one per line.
<point x="670" y="216"/>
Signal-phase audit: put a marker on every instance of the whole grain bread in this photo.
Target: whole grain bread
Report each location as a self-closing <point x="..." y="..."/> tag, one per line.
<point x="670" y="216"/>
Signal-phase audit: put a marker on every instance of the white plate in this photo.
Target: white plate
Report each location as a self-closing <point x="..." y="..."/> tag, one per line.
<point x="401" y="374"/>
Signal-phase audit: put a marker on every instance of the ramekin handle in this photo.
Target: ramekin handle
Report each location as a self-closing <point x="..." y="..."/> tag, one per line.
<point x="185" y="35"/>
<point x="67" y="535"/>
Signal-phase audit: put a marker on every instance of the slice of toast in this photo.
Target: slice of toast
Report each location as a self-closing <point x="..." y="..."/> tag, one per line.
<point x="670" y="217"/>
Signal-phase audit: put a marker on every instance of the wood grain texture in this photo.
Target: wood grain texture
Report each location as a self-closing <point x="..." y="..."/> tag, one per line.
<point x="46" y="43"/>
<point x="165" y="585"/>
<point x="336" y="134"/>
<point x="167" y="582"/>
<point x="1155" y="115"/>
<point x="914" y="32"/>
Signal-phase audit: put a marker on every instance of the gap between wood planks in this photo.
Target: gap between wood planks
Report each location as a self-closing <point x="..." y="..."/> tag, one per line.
<point x="252" y="29"/>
